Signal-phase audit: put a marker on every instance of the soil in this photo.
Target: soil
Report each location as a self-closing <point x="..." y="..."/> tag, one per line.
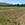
<point x="18" y="15"/>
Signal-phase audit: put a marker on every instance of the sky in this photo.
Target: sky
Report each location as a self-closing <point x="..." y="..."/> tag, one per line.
<point x="13" y="1"/>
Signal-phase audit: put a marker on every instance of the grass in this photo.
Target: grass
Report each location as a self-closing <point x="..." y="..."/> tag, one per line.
<point x="9" y="21"/>
<point x="8" y="7"/>
<point x="5" y="21"/>
<point x="11" y="7"/>
<point x="17" y="9"/>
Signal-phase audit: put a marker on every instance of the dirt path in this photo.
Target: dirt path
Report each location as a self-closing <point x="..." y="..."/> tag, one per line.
<point x="22" y="19"/>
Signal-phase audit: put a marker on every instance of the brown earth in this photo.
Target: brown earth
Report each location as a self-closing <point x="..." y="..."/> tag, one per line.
<point x="17" y="15"/>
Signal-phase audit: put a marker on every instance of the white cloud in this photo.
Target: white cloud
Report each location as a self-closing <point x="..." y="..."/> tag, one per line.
<point x="11" y="2"/>
<point x="14" y="3"/>
<point x="19" y="3"/>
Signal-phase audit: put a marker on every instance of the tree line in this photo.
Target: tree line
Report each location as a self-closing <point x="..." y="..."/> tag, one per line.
<point x="11" y="5"/>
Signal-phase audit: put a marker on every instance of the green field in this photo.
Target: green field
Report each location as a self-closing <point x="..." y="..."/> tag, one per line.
<point x="11" y="7"/>
<point x="8" y="17"/>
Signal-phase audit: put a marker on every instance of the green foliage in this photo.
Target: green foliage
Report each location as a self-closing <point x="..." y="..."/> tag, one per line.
<point x="4" y="21"/>
<point x="11" y="8"/>
<point x="2" y="18"/>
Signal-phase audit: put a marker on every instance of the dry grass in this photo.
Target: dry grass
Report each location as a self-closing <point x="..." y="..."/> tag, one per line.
<point x="13" y="16"/>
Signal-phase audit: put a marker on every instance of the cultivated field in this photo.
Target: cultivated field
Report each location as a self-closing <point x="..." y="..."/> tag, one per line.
<point x="12" y="15"/>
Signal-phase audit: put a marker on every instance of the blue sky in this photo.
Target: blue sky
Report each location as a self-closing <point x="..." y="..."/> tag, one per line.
<point x="14" y="1"/>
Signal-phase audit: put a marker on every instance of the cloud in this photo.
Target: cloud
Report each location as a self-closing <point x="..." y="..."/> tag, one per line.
<point x="14" y="3"/>
<point x="19" y="3"/>
<point x="11" y="2"/>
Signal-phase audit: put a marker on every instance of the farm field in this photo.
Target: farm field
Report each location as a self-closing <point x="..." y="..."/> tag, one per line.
<point x="12" y="15"/>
